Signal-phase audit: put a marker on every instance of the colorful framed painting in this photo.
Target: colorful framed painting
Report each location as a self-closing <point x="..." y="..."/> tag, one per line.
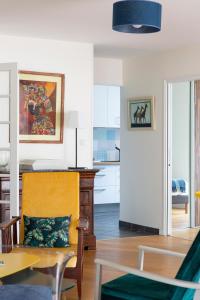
<point x="41" y="101"/>
<point x="141" y="113"/>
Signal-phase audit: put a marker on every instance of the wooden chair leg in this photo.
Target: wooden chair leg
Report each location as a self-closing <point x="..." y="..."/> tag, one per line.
<point x="79" y="288"/>
<point x="186" y="208"/>
<point x="63" y="296"/>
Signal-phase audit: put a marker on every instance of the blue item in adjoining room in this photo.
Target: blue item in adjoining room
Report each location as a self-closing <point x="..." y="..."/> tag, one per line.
<point x="174" y="188"/>
<point x="182" y="185"/>
<point x="179" y="185"/>
<point x="180" y="193"/>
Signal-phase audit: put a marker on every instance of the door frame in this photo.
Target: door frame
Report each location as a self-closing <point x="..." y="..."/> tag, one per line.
<point x="167" y="159"/>
<point x="13" y="103"/>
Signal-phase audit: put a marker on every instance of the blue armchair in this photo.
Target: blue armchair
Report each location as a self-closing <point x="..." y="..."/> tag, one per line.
<point x="140" y="285"/>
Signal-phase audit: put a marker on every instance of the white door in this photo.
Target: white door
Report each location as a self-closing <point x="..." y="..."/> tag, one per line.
<point x="9" y="134"/>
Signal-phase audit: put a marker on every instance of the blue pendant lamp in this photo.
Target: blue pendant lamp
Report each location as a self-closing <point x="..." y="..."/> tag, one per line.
<point x="137" y="16"/>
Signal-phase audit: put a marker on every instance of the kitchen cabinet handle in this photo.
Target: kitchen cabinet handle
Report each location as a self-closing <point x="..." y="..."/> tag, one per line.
<point x="99" y="190"/>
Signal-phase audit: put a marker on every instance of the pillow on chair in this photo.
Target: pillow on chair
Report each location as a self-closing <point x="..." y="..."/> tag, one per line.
<point x="46" y="232"/>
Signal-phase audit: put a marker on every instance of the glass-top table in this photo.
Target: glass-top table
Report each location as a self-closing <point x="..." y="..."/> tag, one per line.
<point x="11" y="263"/>
<point x="45" y="269"/>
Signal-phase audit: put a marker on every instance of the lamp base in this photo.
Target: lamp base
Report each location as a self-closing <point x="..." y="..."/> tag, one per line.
<point x="76" y="168"/>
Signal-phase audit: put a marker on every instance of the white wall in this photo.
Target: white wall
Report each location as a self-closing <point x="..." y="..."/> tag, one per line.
<point x="75" y="60"/>
<point x="180" y="130"/>
<point x="142" y="152"/>
<point x="108" y="71"/>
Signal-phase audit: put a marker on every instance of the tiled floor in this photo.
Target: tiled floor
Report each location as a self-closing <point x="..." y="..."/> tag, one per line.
<point x="106" y="223"/>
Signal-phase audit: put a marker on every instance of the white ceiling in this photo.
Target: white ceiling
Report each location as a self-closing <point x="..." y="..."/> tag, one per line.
<point x="91" y="21"/>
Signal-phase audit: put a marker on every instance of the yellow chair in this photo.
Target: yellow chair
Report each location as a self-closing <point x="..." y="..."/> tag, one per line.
<point x="51" y="194"/>
<point x="197" y="194"/>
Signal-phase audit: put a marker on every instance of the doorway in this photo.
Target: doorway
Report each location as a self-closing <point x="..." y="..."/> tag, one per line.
<point x="181" y="106"/>
<point x="106" y="157"/>
<point x="182" y="148"/>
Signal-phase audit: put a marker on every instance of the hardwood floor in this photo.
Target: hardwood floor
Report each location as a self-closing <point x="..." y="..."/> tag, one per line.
<point x="180" y="220"/>
<point x="124" y="251"/>
<point x="188" y="233"/>
<point x="180" y="225"/>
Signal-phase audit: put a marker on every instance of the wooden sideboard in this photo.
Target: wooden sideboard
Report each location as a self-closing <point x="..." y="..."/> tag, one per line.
<point x="86" y="201"/>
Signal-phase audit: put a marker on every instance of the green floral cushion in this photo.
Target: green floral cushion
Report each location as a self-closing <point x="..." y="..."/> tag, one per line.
<point x="46" y="232"/>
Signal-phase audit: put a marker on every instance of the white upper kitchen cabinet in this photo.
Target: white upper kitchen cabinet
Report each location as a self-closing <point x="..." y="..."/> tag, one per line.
<point x="106" y="106"/>
<point x="100" y="106"/>
<point x="113" y="106"/>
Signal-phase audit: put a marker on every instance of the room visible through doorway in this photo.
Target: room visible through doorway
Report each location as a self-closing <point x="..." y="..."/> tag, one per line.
<point x="183" y="153"/>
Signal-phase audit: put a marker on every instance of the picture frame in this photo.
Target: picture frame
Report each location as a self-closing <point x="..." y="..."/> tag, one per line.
<point x="141" y="113"/>
<point x="41" y="107"/>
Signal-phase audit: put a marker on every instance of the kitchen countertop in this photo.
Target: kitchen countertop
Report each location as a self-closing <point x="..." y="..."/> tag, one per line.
<point x="98" y="163"/>
<point x="85" y="170"/>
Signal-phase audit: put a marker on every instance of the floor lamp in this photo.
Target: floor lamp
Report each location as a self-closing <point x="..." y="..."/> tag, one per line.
<point x="74" y="122"/>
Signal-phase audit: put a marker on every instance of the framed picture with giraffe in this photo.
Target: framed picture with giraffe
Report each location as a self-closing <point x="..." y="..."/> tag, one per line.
<point x="141" y="114"/>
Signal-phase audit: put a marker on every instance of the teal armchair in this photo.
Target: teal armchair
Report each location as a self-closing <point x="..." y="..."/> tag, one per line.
<point x="141" y="285"/>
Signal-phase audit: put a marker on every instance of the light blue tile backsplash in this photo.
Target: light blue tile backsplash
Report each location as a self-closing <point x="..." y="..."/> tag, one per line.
<point x="105" y="140"/>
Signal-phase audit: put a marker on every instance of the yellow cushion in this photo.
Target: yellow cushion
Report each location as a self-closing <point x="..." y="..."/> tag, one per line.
<point x="51" y="194"/>
<point x="49" y="257"/>
<point x="197" y="194"/>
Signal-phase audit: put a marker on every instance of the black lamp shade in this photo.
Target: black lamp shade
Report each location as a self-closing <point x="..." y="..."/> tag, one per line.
<point x="137" y="16"/>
